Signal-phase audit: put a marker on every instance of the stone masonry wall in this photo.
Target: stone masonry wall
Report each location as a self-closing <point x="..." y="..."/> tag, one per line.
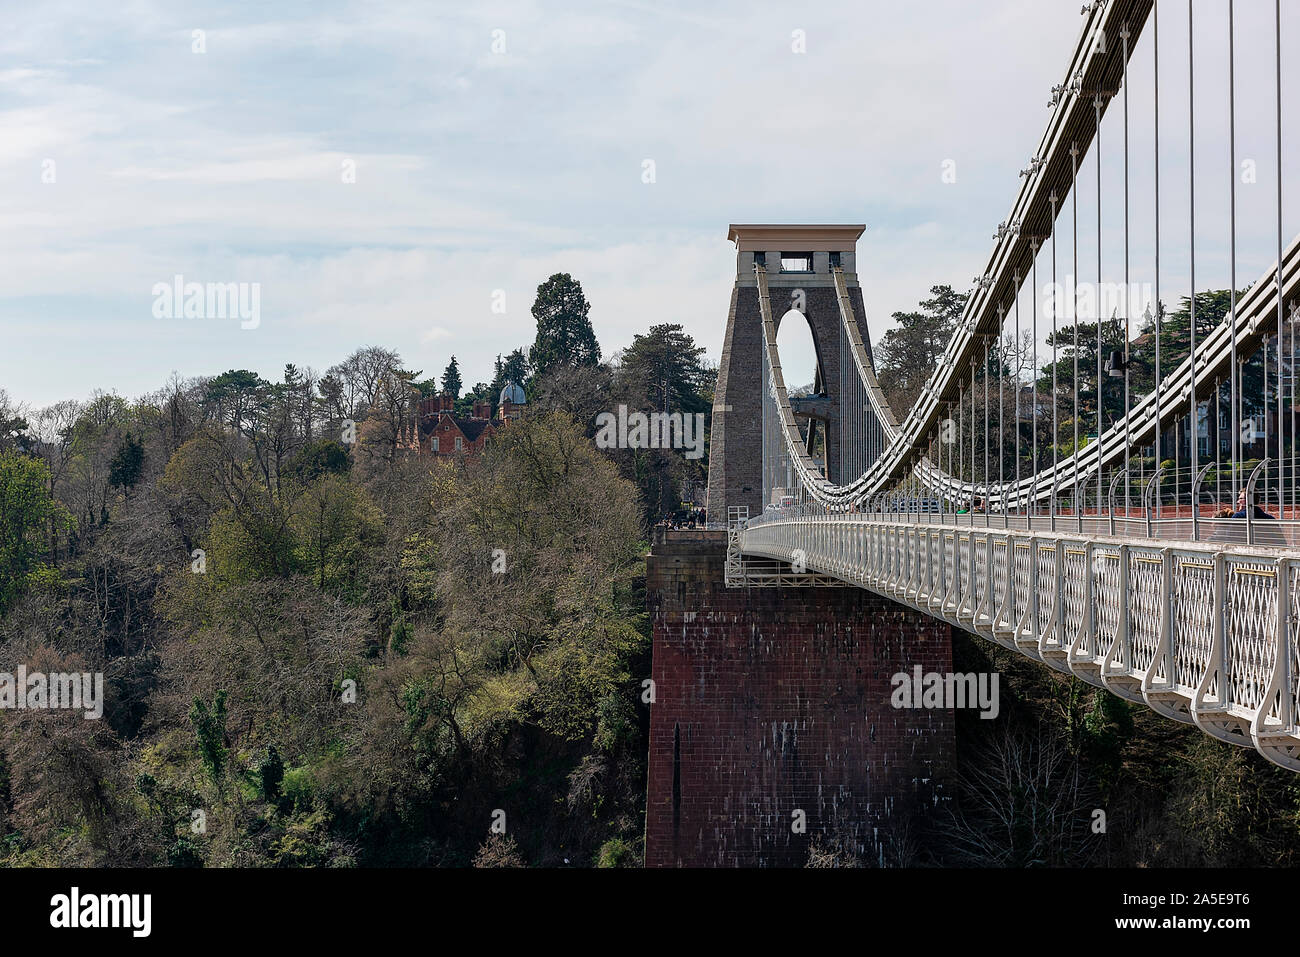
<point x="772" y="700"/>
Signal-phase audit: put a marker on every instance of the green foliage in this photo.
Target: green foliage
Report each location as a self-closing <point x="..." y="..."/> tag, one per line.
<point x="237" y="397"/>
<point x="666" y="366"/>
<point x="330" y="525"/>
<point x="907" y="355"/>
<point x="297" y="787"/>
<point x="451" y="383"/>
<point x="564" y="332"/>
<point x="270" y="773"/>
<point x="251" y="543"/>
<point x="616" y="724"/>
<point x="210" y="730"/>
<point x="128" y="463"/>
<point x="1212" y="307"/>
<point x="478" y="681"/>
<point x="322" y="457"/>
<point x="514" y="369"/>
<point x="1107" y="726"/>
<point x="617" y="852"/>
<point x="26" y="513"/>
<point x="185" y="852"/>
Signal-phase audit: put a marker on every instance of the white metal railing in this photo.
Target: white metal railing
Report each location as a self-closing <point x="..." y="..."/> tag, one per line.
<point x="1202" y="633"/>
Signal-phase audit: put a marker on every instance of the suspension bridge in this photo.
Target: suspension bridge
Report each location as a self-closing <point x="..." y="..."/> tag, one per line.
<point x="1126" y="511"/>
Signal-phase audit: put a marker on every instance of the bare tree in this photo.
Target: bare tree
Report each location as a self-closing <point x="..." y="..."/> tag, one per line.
<point x="55" y="428"/>
<point x="1022" y="801"/>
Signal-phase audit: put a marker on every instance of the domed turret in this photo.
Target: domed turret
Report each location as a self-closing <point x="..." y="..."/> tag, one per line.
<point x="511" y="404"/>
<point x="512" y="393"/>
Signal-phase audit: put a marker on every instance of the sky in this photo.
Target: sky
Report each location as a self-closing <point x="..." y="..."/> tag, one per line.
<point x="406" y="173"/>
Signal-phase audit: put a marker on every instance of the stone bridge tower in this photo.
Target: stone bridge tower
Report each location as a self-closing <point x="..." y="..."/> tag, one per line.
<point x="772" y="727"/>
<point x="798" y="260"/>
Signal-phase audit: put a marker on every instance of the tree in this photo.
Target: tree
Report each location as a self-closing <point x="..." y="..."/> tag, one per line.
<point x="498" y="376"/>
<point x="210" y="729"/>
<point x="128" y="463"/>
<point x="564" y="333"/>
<point x="352" y="386"/>
<point x="905" y="357"/>
<point x="98" y="431"/>
<point x="666" y="366"/>
<point x="236" y="397"/>
<point x="515" y="368"/>
<point x="389" y="430"/>
<point x="1212" y="306"/>
<point x="481" y="392"/>
<point x="332" y="522"/>
<point x="451" y="379"/>
<point x="1023" y="801"/>
<point x="318" y="458"/>
<point x="12" y="423"/>
<point x="25" y="508"/>
<point x="55" y="428"/>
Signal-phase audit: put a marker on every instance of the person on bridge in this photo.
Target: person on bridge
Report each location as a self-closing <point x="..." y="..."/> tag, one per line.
<point x="1255" y="511"/>
<point x="1263" y="535"/>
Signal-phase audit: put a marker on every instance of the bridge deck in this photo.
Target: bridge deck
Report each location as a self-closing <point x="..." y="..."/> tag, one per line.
<point x="1202" y="632"/>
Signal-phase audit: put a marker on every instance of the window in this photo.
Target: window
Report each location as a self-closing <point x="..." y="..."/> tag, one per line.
<point x="460" y="443"/>
<point x="760" y="259"/>
<point x="835" y="260"/>
<point x="435" y="443"/>
<point x="796" y="262"/>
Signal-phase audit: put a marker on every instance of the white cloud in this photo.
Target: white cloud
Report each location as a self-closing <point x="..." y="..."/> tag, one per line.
<point x="478" y="171"/>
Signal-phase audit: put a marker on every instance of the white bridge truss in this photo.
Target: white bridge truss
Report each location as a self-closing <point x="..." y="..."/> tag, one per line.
<point x="1199" y="633"/>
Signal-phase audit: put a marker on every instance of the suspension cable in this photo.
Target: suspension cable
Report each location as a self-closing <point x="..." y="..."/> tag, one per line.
<point x="1016" y="382"/>
<point x="1235" y="385"/>
<point x="1056" y="311"/>
<point x="1128" y="285"/>
<point x="1194" y="452"/>
<point x="1096" y="105"/>
<point x="1074" y="203"/>
<point x="1277" y="14"/>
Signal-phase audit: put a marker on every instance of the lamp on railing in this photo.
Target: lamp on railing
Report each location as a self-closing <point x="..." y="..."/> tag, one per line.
<point x="1117" y="365"/>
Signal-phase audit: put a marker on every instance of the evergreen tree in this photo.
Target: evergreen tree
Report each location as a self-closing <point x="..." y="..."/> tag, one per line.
<point x="906" y="356"/>
<point x="515" y="368"/>
<point x="498" y="377"/>
<point x="128" y="463"/>
<point x="666" y="366"/>
<point x="564" y="333"/>
<point x="451" y="379"/>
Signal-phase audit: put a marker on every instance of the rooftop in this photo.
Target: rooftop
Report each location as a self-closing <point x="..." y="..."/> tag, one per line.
<point x="760" y="237"/>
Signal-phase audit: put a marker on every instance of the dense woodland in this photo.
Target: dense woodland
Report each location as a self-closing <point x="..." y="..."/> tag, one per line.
<point x="321" y="649"/>
<point x="329" y="652"/>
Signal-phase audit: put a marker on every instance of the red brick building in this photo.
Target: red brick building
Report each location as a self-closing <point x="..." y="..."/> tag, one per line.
<point x="442" y="432"/>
